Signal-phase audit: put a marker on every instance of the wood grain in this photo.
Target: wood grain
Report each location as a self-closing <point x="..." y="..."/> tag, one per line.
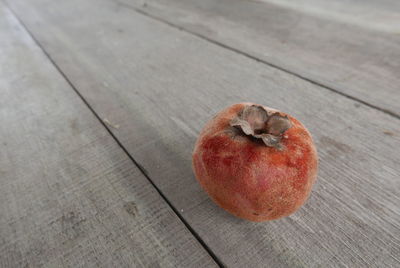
<point x="351" y="47"/>
<point x="160" y="85"/>
<point x="69" y="195"/>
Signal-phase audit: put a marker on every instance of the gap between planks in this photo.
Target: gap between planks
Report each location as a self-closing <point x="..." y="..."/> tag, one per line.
<point x="248" y="55"/>
<point x="104" y="124"/>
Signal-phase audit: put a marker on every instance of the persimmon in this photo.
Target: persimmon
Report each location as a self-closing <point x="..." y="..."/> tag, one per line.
<point x="256" y="162"/>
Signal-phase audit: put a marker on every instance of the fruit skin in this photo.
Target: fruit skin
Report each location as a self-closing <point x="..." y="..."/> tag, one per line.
<point x="247" y="178"/>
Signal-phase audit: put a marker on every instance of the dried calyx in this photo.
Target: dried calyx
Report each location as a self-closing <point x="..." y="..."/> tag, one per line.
<point x="255" y="121"/>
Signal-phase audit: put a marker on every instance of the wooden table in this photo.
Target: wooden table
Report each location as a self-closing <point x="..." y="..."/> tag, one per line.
<point x="102" y="101"/>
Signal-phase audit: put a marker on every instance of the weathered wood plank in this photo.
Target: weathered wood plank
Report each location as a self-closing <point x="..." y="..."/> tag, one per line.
<point x="69" y="195"/>
<point x="381" y="16"/>
<point x="352" y="47"/>
<point x="160" y="85"/>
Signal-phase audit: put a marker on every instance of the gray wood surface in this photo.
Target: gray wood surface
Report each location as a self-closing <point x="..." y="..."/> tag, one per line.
<point x="382" y="15"/>
<point x="350" y="46"/>
<point x="160" y="85"/>
<point x="69" y="195"/>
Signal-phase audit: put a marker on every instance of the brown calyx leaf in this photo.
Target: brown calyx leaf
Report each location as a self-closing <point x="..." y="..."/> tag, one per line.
<point x="251" y="119"/>
<point x="278" y="124"/>
<point x="255" y="121"/>
<point x="271" y="140"/>
<point x="243" y="124"/>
